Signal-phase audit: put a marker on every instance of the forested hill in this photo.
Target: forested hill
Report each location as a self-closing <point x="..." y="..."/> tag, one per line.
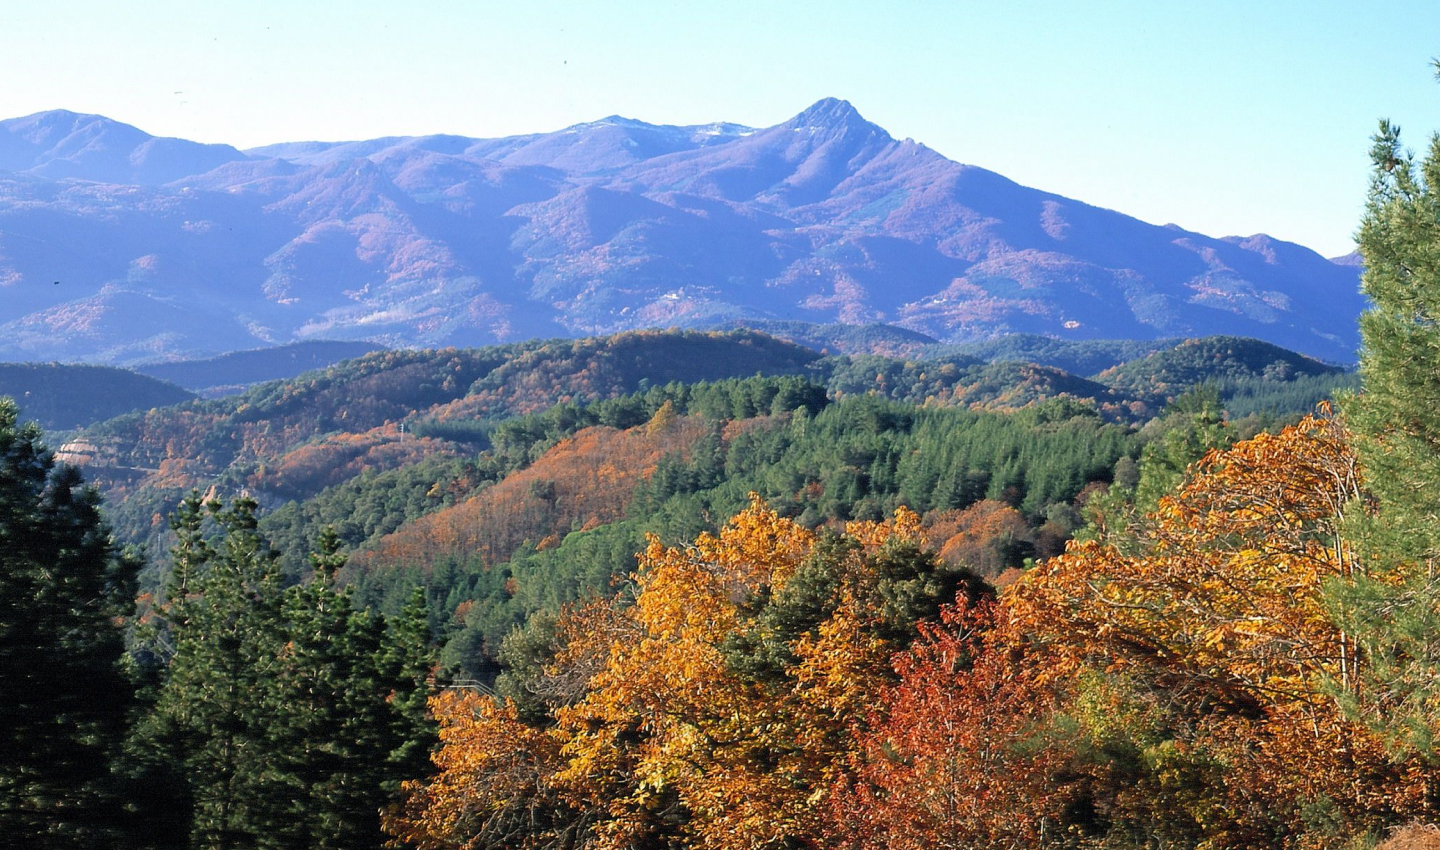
<point x="400" y="413"/>
<point x="230" y="373"/>
<point x="65" y="397"/>
<point x="1218" y="359"/>
<point x="509" y="487"/>
<point x="288" y="439"/>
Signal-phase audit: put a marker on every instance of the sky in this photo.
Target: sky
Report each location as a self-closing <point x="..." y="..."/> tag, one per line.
<point x="1222" y="117"/>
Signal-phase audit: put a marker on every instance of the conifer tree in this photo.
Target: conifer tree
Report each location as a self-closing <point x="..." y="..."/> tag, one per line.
<point x="1394" y="609"/>
<point x="342" y="739"/>
<point x="63" y="693"/>
<point x="291" y="713"/>
<point x="210" y="715"/>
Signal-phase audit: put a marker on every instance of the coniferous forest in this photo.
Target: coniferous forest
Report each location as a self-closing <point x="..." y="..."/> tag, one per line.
<point x="671" y="589"/>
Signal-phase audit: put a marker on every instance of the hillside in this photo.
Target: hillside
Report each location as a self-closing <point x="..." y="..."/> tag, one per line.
<point x="1079" y="357"/>
<point x="872" y="338"/>
<point x="237" y="370"/>
<point x="372" y="443"/>
<point x="118" y="247"/>
<point x="63" y="397"/>
<point x="289" y="439"/>
<point x="562" y="527"/>
<point x="1215" y="359"/>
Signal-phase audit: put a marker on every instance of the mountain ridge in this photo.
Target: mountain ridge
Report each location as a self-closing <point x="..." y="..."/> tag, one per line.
<point x="600" y="227"/>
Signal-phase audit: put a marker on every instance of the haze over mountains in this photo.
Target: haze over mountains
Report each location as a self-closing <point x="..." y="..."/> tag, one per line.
<point x="117" y="246"/>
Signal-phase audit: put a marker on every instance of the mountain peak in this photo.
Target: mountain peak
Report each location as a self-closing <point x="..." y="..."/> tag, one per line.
<point x="832" y="113"/>
<point x="611" y="121"/>
<point x="61" y="144"/>
<point x="832" y="107"/>
<point x="54" y="124"/>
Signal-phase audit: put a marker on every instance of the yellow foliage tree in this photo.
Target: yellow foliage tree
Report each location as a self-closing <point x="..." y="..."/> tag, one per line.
<point x="716" y="710"/>
<point x="1214" y="624"/>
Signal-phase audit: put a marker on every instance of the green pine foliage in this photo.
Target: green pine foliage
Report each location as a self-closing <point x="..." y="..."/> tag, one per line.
<point x="210" y="723"/>
<point x="1394" y="612"/>
<point x="283" y="717"/>
<point x="63" y="693"/>
<point x="1283" y="400"/>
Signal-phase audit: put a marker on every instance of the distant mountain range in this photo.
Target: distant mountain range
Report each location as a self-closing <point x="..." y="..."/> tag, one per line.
<point x="120" y="247"/>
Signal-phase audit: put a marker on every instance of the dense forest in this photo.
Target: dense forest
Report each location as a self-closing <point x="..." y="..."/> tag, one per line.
<point x="720" y="590"/>
<point x="63" y="397"/>
<point x="236" y="371"/>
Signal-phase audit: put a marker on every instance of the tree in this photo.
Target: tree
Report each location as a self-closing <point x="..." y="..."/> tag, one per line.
<point x="715" y="710"/>
<point x="63" y="693"/>
<point x="1214" y="636"/>
<point x="956" y="761"/>
<point x="339" y="714"/>
<point x="222" y="616"/>
<point x="288" y="716"/>
<point x="1396" y="613"/>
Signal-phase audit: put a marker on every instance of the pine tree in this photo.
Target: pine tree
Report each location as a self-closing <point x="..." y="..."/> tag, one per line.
<point x="1394" y="610"/>
<point x="210" y="713"/>
<point x="63" y="693"/>
<point x="342" y="739"/>
<point x="291" y="714"/>
<point x="1192" y="426"/>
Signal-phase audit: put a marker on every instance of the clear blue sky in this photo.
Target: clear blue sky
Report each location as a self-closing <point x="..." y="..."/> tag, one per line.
<point x="1224" y="117"/>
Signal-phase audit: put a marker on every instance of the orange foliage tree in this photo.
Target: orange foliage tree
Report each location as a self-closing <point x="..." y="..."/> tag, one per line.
<point x="1184" y="688"/>
<point x="716" y="710"/>
<point x="957" y="757"/>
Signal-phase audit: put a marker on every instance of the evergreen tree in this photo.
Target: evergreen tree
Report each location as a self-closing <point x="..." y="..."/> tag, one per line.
<point x="291" y="714"/>
<point x="63" y="693"/>
<point x="211" y="714"/>
<point x="1394" y="611"/>
<point x="339" y="728"/>
<point x="1192" y="426"/>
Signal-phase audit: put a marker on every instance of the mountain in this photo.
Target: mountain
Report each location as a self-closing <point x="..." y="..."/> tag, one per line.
<point x="233" y="372"/>
<point x="119" y="247"/>
<point x="62" y="145"/>
<point x="62" y="397"/>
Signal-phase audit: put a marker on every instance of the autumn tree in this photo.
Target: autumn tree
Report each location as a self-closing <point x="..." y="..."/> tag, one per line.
<point x="716" y="710"/>
<point x="959" y="756"/>
<point x="1215" y="638"/>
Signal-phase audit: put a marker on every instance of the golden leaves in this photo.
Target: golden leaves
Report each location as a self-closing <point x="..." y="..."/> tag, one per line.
<point x="1227" y="587"/>
<point x="662" y="732"/>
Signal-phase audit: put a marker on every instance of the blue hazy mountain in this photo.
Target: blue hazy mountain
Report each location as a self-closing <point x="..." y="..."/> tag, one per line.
<point x="116" y="246"/>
